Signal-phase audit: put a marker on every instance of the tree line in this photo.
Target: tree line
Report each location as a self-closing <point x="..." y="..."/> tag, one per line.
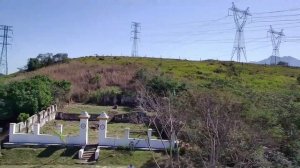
<point x="43" y="60"/>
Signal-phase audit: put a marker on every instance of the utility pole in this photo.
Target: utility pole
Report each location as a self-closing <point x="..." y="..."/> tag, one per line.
<point x="240" y="19"/>
<point x="136" y="28"/>
<point x="4" y="43"/>
<point x="276" y="37"/>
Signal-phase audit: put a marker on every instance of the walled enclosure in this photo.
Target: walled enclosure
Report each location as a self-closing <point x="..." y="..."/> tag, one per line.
<point x="126" y="141"/>
<point x="82" y="138"/>
<point x="41" y="117"/>
<point x="36" y="137"/>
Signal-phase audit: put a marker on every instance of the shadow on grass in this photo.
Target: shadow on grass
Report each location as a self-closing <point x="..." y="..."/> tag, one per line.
<point x="149" y="163"/>
<point x="70" y="152"/>
<point x="127" y="109"/>
<point x="109" y="156"/>
<point x="49" y="151"/>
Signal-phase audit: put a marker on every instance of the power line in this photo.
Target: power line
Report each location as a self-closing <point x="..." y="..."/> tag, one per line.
<point x="276" y="16"/>
<point x="276" y="37"/>
<point x="136" y="29"/>
<point x="240" y="18"/>
<point x="278" y="11"/>
<point x="260" y="47"/>
<point x="3" y="57"/>
<point x="285" y="20"/>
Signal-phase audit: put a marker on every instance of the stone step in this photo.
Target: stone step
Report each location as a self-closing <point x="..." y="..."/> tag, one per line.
<point x="89" y="151"/>
<point x="87" y="155"/>
<point x="92" y="149"/>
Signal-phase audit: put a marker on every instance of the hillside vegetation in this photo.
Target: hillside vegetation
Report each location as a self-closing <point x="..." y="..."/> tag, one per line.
<point x="235" y="114"/>
<point x="88" y="74"/>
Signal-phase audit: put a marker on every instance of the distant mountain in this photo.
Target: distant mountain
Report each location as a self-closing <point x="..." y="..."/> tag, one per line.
<point x="271" y="60"/>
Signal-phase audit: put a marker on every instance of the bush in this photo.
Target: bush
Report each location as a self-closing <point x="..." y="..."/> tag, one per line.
<point x="282" y="63"/>
<point x="23" y="117"/>
<point x="219" y="70"/>
<point x="95" y="80"/>
<point x="164" y="86"/>
<point x="233" y="70"/>
<point x="30" y="95"/>
<point x="105" y="96"/>
<point x="47" y="59"/>
<point x="142" y="75"/>
<point x="298" y="79"/>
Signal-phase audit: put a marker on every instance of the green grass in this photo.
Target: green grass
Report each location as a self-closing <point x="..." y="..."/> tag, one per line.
<point x="117" y="130"/>
<point x="38" y="156"/>
<point x="69" y="128"/>
<point x="68" y="157"/>
<point x="258" y="77"/>
<point x="195" y="73"/>
<point x="93" y="109"/>
<point x="114" y="129"/>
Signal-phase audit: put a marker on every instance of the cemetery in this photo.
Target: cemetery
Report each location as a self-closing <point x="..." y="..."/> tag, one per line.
<point x="89" y="138"/>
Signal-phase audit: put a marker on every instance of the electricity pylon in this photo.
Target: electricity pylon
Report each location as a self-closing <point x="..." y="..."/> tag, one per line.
<point x="240" y="19"/>
<point x="276" y="38"/>
<point x="136" y="28"/>
<point x="4" y="43"/>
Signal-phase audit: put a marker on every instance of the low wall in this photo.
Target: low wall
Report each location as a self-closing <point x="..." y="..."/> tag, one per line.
<point x="75" y="116"/>
<point x="126" y="141"/>
<point x="41" y="117"/>
<point x="136" y="143"/>
<point x="36" y="137"/>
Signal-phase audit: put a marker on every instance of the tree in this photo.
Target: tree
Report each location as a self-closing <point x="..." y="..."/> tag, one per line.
<point x="30" y="95"/>
<point x="167" y="119"/>
<point x="23" y="117"/>
<point x="209" y="121"/>
<point x="33" y="64"/>
<point x="282" y="63"/>
<point x="46" y="59"/>
<point x="165" y="86"/>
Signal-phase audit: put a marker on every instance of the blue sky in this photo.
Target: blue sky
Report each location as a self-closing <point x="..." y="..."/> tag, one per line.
<point x="170" y="28"/>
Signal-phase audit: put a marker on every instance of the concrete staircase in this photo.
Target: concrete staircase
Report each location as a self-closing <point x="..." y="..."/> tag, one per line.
<point x="89" y="154"/>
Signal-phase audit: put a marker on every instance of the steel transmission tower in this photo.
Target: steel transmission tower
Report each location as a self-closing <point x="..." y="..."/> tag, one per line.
<point x="136" y="28"/>
<point x="4" y="43"/>
<point x="276" y="40"/>
<point x="240" y="19"/>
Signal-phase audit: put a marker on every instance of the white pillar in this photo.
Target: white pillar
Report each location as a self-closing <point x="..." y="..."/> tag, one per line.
<point x="36" y="129"/>
<point x="12" y="128"/>
<point x="102" y="126"/>
<point x="173" y="139"/>
<point x="84" y="127"/>
<point x="149" y="133"/>
<point x="12" y="131"/>
<point x="59" y="128"/>
<point x="126" y="133"/>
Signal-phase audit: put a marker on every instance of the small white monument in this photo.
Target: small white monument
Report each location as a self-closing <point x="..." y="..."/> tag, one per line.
<point x="84" y="126"/>
<point x="102" y="124"/>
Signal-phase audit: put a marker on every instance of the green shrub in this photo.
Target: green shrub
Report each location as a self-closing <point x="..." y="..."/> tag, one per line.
<point x="142" y="75"/>
<point x="105" y="96"/>
<point x="164" y="86"/>
<point x="219" y="70"/>
<point x="30" y="95"/>
<point x="47" y="59"/>
<point x="298" y="79"/>
<point x="95" y="79"/>
<point x="233" y="70"/>
<point x="23" y="117"/>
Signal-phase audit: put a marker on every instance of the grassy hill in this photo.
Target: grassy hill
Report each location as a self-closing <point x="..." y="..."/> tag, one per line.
<point x="119" y="71"/>
<point x="267" y="126"/>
